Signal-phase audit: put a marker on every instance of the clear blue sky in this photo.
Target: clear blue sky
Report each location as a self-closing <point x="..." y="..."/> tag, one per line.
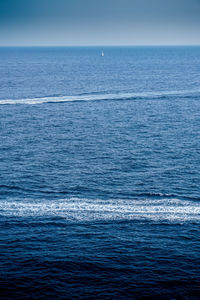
<point x="99" y="22"/>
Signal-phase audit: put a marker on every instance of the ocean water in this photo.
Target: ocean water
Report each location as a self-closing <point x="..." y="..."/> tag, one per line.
<point x="100" y="173"/>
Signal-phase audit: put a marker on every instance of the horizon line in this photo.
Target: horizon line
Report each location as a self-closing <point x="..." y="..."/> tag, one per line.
<point x="106" y="45"/>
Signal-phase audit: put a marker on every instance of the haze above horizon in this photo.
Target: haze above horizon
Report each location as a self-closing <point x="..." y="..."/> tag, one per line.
<point x="99" y="23"/>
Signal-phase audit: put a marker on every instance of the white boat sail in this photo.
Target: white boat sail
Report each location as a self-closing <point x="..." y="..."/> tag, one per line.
<point x="102" y="53"/>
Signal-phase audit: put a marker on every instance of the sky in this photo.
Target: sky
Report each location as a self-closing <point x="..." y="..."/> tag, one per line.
<point x="99" y="22"/>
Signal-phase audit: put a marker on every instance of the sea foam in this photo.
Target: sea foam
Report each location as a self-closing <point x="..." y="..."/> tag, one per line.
<point x="104" y="96"/>
<point x="77" y="209"/>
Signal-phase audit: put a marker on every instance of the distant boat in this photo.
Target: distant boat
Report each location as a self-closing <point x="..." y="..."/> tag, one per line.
<point x="102" y="53"/>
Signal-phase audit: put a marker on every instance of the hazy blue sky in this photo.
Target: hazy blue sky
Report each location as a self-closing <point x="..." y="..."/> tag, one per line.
<point x="99" y="22"/>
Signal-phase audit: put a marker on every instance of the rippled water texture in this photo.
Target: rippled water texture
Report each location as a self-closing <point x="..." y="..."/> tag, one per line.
<point x="100" y="172"/>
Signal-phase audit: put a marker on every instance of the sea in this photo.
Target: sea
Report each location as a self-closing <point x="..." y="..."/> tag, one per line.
<point x="100" y="173"/>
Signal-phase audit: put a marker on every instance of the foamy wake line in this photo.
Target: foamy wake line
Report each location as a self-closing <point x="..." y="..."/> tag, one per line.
<point x="102" y="96"/>
<point x="76" y="209"/>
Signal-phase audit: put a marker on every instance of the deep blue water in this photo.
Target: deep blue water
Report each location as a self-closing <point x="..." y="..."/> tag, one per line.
<point x="100" y="173"/>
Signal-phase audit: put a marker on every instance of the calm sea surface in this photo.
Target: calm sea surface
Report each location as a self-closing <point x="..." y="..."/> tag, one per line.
<point x="100" y="173"/>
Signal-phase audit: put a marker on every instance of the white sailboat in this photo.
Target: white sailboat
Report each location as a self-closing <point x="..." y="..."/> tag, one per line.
<point x="102" y="53"/>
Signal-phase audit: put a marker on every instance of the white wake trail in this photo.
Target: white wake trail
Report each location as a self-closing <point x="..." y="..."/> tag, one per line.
<point x="76" y="209"/>
<point x="101" y="96"/>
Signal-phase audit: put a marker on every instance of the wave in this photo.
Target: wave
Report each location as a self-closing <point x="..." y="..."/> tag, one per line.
<point x="83" y="210"/>
<point x="104" y="96"/>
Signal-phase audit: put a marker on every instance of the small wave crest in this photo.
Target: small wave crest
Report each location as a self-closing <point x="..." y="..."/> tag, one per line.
<point x="82" y="210"/>
<point x="104" y="96"/>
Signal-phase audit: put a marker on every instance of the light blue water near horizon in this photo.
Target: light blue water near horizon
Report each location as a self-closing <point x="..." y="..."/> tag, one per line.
<point x="100" y="171"/>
